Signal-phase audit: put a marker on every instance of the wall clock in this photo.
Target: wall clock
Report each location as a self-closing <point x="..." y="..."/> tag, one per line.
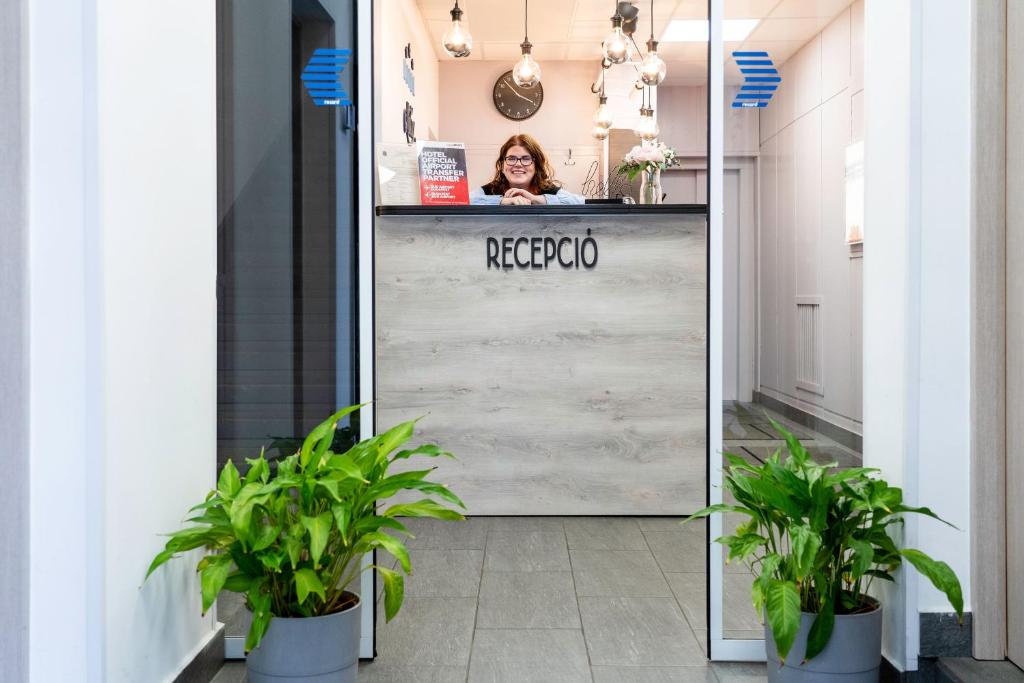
<point x="514" y="102"/>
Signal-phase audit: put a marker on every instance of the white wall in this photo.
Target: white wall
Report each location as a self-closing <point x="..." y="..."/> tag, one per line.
<point x="804" y="132"/>
<point x="122" y="209"/>
<point x="563" y="122"/>
<point x="916" y="286"/>
<point x="397" y="23"/>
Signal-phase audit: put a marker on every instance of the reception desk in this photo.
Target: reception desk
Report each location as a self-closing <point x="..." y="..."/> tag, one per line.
<point x="559" y="352"/>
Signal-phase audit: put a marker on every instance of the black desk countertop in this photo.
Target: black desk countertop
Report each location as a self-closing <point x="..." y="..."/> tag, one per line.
<point x="561" y="209"/>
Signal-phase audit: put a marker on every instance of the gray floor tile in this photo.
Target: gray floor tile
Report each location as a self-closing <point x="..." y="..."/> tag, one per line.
<point x="617" y="573"/>
<point x="638" y="632"/>
<point x="702" y="639"/>
<point x="659" y="523"/>
<point x="525" y="656"/>
<point x="739" y="614"/>
<point x="527" y="600"/>
<point x="427" y="631"/>
<point x="532" y="551"/>
<point x="743" y="431"/>
<point x="740" y="672"/>
<point x="379" y="672"/>
<point x="679" y="551"/>
<point x="526" y="524"/>
<point x="444" y="573"/>
<point x="690" y="592"/>
<point x="604" y="533"/>
<point x="231" y="672"/>
<point x="437" y="534"/>
<point x="796" y="430"/>
<point x="654" y="674"/>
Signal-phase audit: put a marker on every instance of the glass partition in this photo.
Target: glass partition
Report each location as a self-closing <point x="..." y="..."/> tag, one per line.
<point x="603" y="79"/>
<point x="286" y="244"/>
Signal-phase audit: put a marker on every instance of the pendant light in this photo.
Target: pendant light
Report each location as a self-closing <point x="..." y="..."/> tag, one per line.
<point x="526" y="72"/>
<point x="652" y="69"/>
<point x="456" y="40"/>
<point x="603" y="116"/>
<point x="647" y="127"/>
<point x="616" y="46"/>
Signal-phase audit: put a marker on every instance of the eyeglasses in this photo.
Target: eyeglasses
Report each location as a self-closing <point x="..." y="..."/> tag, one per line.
<point x="512" y="161"/>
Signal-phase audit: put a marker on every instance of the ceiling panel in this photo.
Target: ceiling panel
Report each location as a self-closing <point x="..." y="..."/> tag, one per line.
<point x="573" y="29"/>
<point x="785" y="29"/>
<point x="788" y="9"/>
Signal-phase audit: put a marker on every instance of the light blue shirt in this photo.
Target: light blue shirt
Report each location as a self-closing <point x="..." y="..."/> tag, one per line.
<point x="477" y="196"/>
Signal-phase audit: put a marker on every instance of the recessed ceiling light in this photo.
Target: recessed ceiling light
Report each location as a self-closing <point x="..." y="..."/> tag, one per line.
<point x="696" y="30"/>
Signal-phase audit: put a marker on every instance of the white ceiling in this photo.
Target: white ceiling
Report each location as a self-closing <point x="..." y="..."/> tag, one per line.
<point x="573" y="29"/>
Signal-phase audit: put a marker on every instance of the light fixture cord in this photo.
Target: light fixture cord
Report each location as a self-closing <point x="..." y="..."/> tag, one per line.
<point x="526" y="21"/>
<point x="652" y="18"/>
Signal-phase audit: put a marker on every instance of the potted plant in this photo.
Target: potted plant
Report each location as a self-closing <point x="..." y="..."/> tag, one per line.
<point x="291" y="535"/>
<point x="815" y="540"/>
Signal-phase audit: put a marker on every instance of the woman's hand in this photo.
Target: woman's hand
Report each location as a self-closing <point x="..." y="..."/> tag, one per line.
<point x="514" y="201"/>
<point x="525" y="194"/>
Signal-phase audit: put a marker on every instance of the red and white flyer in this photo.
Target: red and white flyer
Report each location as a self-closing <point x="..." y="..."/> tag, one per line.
<point x="443" y="177"/>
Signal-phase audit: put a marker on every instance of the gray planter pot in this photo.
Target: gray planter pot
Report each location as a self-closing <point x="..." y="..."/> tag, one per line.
<point x="310" y="650"/>
<point x="853" y="655"/>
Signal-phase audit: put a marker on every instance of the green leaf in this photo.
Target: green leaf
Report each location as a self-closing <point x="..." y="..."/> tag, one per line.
<point x="229" y="482"/>
<point x="322" y="436"/>
<point x="212" y="578"/>
<point x="238" y="583"/>
<point x="294" y="544"/>
<point x="259" y="470"/>
<point x="863" y="557"/>
<point x="821" y="630"/>
<point x="718" y="507"/>
<point x="396" y="436"/>
<point x="345" y="464"/>
<point x="306" y="582"/>
<point x="259" y="603"/>
<point x="782" y="604"/>
<point x="428" y="450"/>
<point x="273" y="560"/>
<point x="391" y="544"/>
<point x="319" y="529"/>
<point x="161" y="558"/>
<point x="941" y="576"/>
<point x="805" y="545"/>
<point x="423" y="508"/>
<point x="342" y="516"/>
<point x="394" y="591"/>
<point x="266" y="531"/>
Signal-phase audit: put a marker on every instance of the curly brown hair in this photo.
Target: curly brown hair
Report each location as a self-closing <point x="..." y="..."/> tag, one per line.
<point x="543" y="180"/>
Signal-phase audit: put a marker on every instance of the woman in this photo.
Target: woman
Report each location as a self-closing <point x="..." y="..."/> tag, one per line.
<point x="522" y="176"/>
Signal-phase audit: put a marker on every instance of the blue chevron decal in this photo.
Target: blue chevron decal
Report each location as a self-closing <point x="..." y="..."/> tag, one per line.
<point x="760" y="79"/>
<point x="322" y="77"/>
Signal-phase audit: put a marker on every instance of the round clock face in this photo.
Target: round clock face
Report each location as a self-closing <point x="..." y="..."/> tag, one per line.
<point x="514" y="102"/>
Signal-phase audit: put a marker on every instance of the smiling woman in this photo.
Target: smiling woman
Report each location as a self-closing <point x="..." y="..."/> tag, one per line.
<point x="523" y="176"/>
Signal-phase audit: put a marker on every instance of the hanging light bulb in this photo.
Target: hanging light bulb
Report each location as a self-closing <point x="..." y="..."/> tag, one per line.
<point x="647" y="128"/>
<point x="456" y="41"/>
<point x="526" y="72"/>
<point x="603" y="116"/>
<point x="600" y="132"/>
<point x="616" y="46"/>
<point x="652" y="69"/>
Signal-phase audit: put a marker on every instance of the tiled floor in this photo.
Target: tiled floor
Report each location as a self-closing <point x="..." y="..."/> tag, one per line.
<point x="553" y="600"/>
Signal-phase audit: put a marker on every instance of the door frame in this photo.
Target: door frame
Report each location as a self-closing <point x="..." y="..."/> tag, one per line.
<point x="991" y="286"/>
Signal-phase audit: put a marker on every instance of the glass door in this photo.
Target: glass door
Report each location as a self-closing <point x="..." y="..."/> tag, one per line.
<point x="286" y="282"/>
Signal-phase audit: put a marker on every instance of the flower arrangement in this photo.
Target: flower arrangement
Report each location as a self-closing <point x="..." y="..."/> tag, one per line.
<point x="647" y="158"/>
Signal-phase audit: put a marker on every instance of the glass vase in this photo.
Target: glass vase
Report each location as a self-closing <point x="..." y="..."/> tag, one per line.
<point x="650" y="186"/>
